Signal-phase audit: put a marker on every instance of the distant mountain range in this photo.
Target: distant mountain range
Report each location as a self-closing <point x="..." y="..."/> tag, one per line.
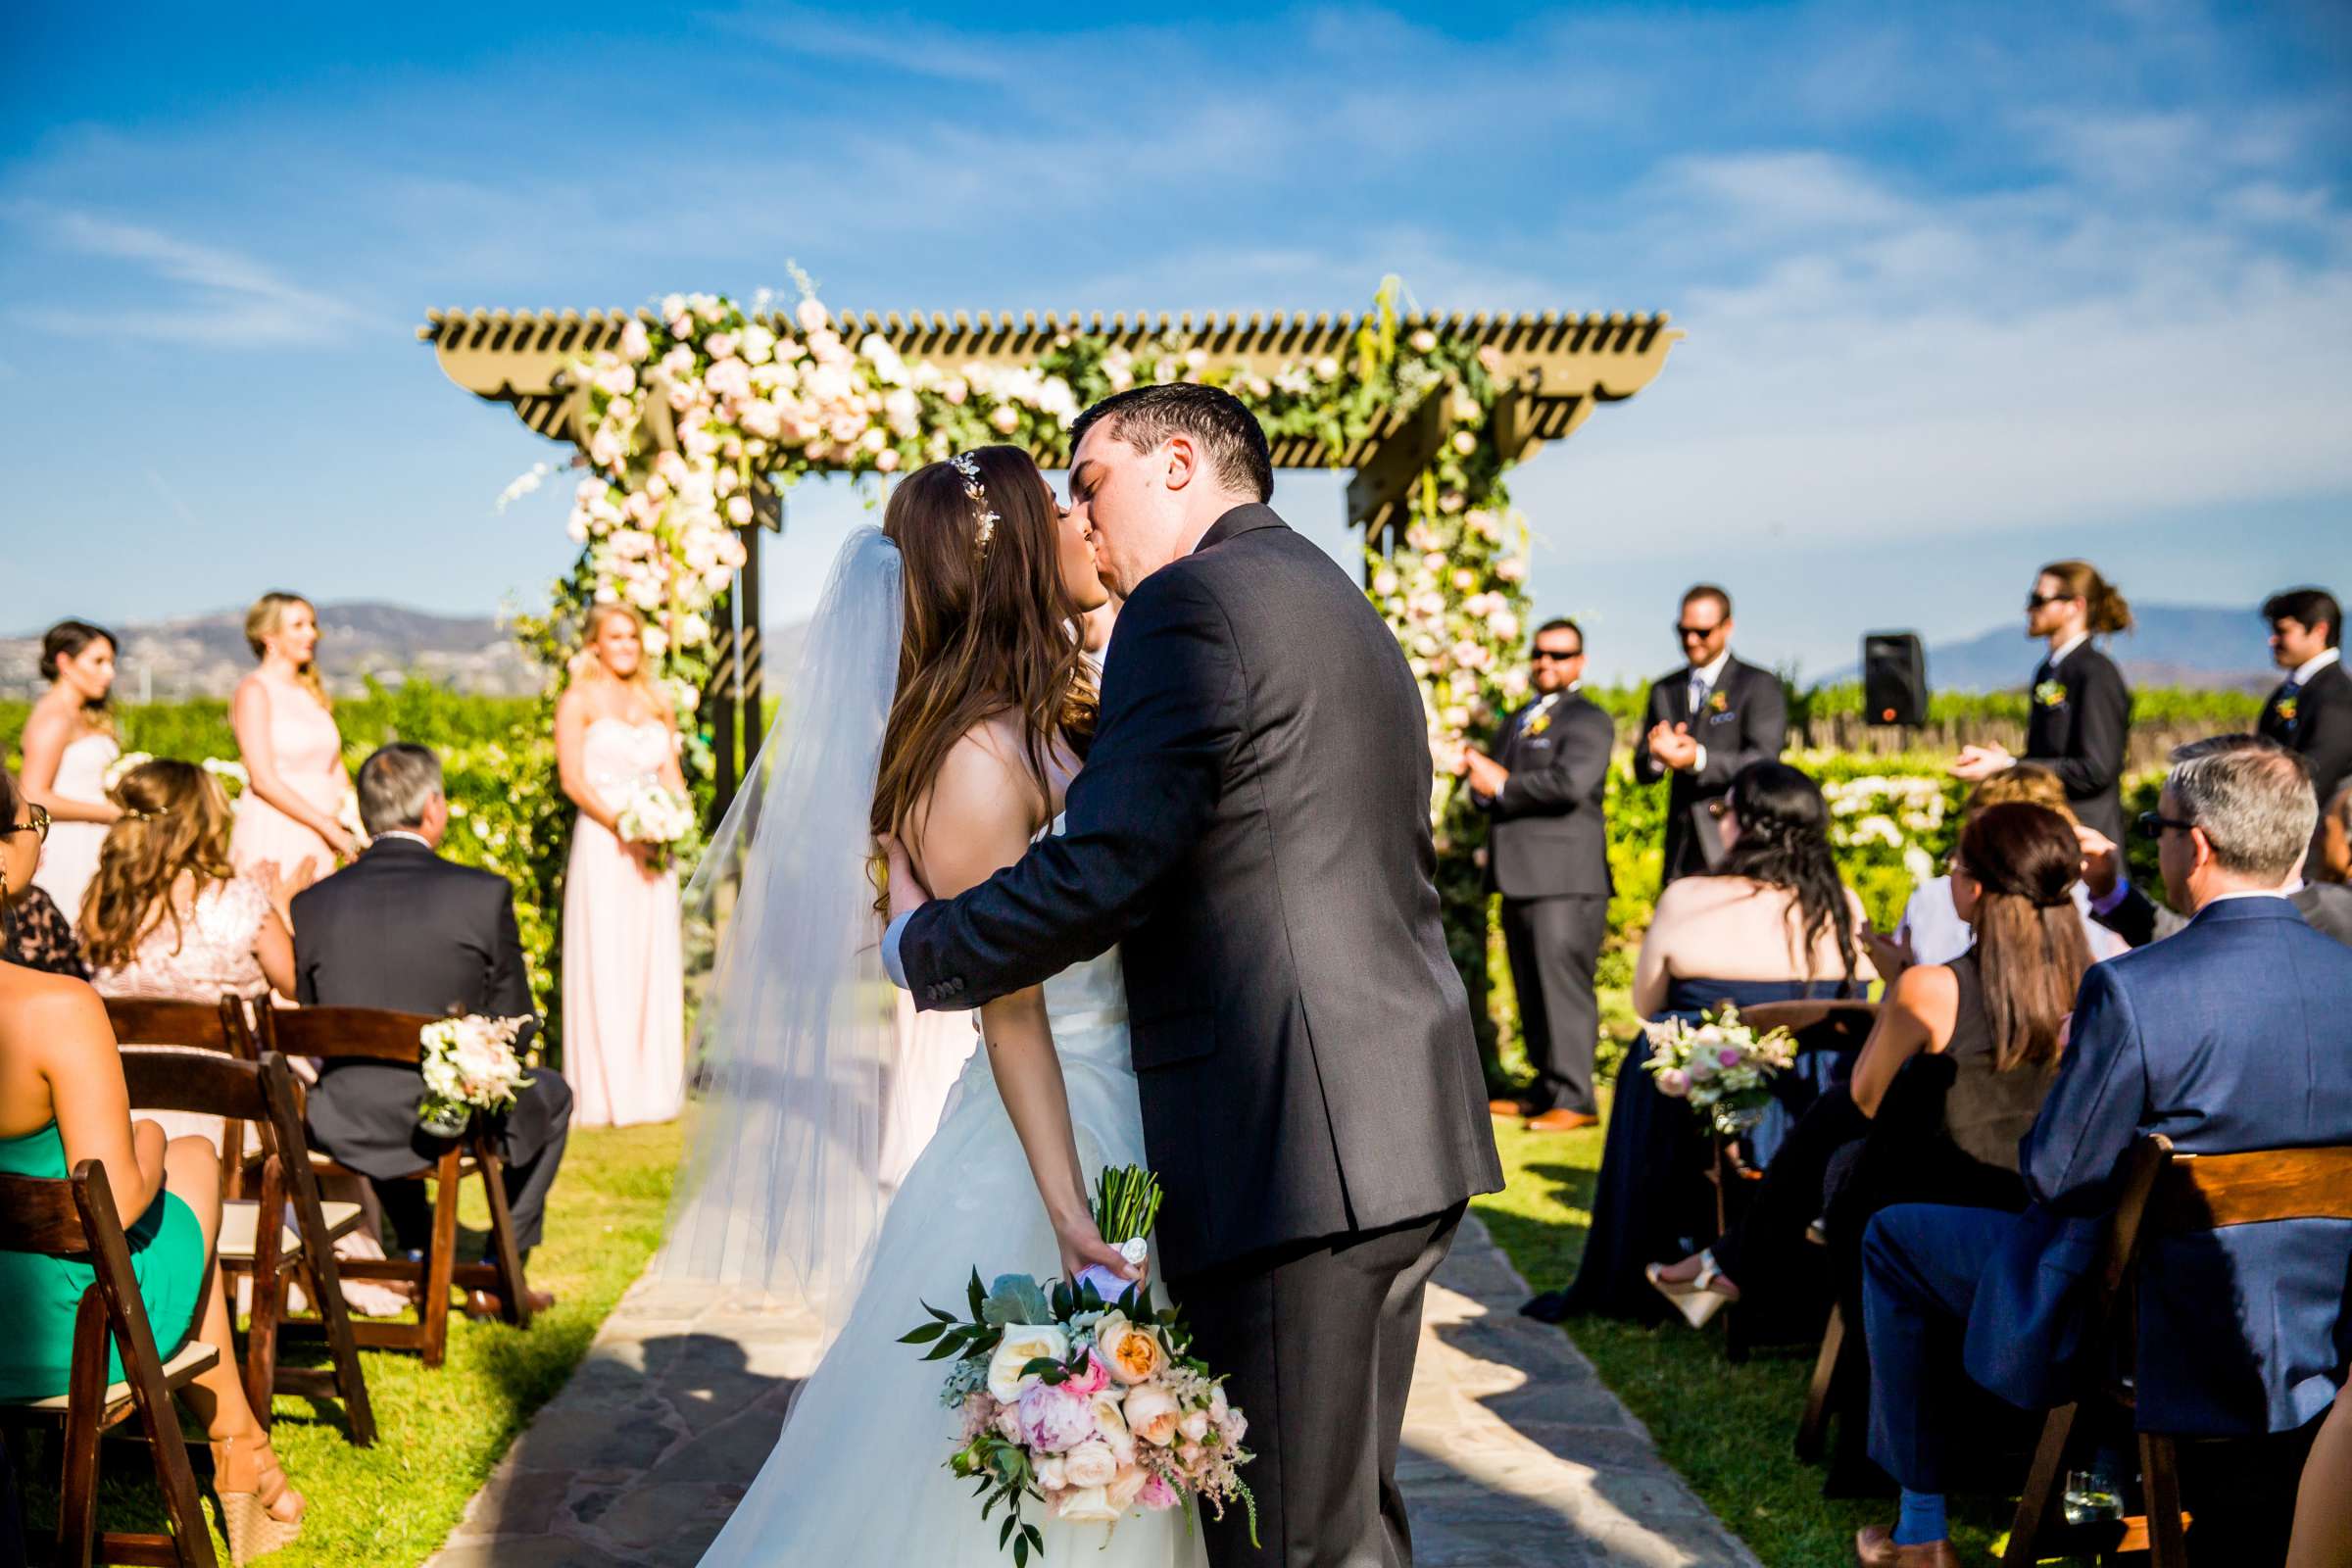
<point x="2200" y="646"/>
<point x="202" y="656"/>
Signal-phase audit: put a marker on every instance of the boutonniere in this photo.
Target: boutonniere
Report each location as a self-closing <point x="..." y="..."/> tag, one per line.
<point x="2285" y="708"/>
<point x="2050" y="694"/>
<point x="1718" y="703"/>
<point x="1539" y="724"/>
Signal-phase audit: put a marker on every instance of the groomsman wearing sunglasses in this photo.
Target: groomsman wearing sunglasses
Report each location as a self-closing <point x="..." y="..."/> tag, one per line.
<point x="1706" y="722"/>
<point x="2311" y="711"/>
<point x="1548" y="856"/>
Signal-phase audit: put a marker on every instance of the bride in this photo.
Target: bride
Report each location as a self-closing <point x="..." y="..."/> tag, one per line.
<point x="948" y="701"/>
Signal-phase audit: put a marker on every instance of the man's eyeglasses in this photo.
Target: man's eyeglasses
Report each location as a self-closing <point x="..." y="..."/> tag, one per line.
<point x="1555" y="656"/>
<point x="1696" y="634"/>
<point x="2152" y="825"/>
<point x="38" y="826"/>
<point x="2036" y="600"/>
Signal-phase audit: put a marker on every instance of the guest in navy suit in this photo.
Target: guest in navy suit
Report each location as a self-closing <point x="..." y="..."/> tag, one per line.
<point x="2226" y="1037"/>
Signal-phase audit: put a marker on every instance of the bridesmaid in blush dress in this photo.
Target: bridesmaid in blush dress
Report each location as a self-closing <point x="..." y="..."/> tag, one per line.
<point x="288" y="830"/>
<point x="624" y="1023"/>
<point x="69" y="746"/>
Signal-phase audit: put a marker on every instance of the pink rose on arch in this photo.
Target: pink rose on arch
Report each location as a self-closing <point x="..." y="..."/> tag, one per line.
<point x="1054" y="1420"/>
<point x="812" y="316"/>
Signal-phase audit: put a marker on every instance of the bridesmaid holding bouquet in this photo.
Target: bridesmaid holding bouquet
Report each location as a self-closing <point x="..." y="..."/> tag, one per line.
<point x="617" y="755"/>
<point x="289" y="830"/>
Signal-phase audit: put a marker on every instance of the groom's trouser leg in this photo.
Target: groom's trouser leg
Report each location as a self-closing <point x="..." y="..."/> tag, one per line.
<point x="1319" y="1341"/>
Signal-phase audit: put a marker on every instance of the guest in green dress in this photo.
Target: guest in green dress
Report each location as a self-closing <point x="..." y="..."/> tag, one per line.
<point x="62" y="1100"/>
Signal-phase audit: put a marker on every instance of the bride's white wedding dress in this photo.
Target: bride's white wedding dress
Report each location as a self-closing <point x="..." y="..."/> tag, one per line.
<point x="859" y="1474"/>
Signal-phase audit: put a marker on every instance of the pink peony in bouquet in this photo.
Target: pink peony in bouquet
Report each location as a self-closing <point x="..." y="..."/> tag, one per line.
<point x="1083" y="1396"/>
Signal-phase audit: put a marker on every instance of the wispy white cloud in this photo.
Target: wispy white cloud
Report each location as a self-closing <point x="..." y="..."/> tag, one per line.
<point x="222" y="296"/>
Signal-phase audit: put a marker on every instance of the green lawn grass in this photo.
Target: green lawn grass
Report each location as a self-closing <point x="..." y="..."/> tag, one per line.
<point x="439" y="1431"/>
<point x="1727" y="1428"/>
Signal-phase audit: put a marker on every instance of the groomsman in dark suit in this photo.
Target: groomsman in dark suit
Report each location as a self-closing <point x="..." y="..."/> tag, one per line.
<point x="2081" y="713"/>
<point x="1548" y="856"/>
<point x="1707" y="721"/>
<point x="2311" y="711"/>
<point x="403" y="929"/>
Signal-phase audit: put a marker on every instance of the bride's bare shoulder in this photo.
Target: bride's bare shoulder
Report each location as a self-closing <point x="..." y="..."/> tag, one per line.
<point x="979" y="813"/>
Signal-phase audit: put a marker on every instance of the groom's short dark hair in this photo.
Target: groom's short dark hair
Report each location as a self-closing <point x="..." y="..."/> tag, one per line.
<point x="1145" y="416"/>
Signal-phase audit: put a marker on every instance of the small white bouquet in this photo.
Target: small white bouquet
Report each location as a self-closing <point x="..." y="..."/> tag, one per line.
<point x="470" y="1064"/>
<point x="1721" y="1065"/>
<point x="654" y="813"/>
<point x="121" y="768"/>
<point x="229" y="773"/>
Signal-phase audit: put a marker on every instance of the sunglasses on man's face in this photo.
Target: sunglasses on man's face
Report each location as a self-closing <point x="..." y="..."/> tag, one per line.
<point x="36" y="823"/>
<point x="1555" y="656"/>
<point x="1696" y="634"/>
<point x="2152" y="825"/>
<point x="2036" y="600"/>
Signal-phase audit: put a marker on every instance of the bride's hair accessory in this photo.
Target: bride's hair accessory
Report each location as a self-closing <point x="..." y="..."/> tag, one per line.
<point x="985" y="528"/>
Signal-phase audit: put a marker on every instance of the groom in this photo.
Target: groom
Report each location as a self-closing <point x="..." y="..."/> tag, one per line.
<point x="1252" y="825"/>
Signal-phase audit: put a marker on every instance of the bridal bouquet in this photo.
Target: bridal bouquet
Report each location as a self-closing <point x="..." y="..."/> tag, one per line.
<point x="1083" y="1396"/>
<point x="470" y="1064"/>
<point x="1721" y="1065"/>
<point x="655" y="814"/>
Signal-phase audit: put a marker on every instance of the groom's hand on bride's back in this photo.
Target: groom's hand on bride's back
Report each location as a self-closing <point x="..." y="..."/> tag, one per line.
<point x="906" y="893"/>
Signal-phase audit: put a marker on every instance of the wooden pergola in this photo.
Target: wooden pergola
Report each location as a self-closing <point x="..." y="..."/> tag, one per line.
<point x="1554" y="370"/>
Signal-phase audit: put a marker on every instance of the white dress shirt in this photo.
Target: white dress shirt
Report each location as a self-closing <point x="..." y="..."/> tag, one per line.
<point x="2312" y="666"/>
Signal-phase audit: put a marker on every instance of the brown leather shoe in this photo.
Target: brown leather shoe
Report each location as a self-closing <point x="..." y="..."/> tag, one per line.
<point x="1561" y="1120"/>
<point x="1874" y="1548"/>
<point x="489" y="1304"/>
<point x="1505" y="1107"/>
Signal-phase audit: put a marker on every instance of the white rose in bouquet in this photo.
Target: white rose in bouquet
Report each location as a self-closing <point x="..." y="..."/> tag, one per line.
<point x="1023" y="1343"/>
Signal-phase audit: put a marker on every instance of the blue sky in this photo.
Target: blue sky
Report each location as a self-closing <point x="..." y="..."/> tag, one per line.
<point x="1967" y="286"/>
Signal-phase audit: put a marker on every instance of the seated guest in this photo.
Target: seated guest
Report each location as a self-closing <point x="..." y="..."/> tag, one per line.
<point x="2334" y="863"/>
<point x="1933" y="929"/>
<point x="403" y="929"/>
<point x="1772" y="924"/>
<point x="2226" y="1037"/>
<point x="62" y="1100"/>
<point x="165" y="917"/>
<point x="1996" y="1010"/>
<point x="35" y="934"/>
<point x="2140" y="919"/>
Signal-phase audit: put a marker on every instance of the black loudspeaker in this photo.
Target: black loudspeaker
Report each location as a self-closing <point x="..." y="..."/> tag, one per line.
<point x="1895" y="678"/>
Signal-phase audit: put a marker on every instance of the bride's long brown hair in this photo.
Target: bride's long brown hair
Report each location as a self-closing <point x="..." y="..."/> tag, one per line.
<point x="988" y="630"/>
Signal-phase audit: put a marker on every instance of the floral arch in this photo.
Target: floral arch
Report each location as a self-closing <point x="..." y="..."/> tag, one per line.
<point x="694" y="417"/>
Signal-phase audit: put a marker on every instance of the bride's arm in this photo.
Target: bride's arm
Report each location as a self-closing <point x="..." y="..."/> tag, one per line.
<point x="978" y="819"/>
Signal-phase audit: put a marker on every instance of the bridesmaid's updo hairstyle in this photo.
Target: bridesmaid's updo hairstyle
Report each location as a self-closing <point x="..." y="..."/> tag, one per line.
<point x="175" y="820"/>
<point x="2105" y="608"/>
<point x="1785" y="842"/>
<point x="69" y="639"/>
<point x="2030" y="950"/>
<point x="988" y="626"/>
<point x="262" y="622"/>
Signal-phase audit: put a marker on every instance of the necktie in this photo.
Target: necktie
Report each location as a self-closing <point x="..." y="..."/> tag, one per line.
<point x="1698" y="694"/>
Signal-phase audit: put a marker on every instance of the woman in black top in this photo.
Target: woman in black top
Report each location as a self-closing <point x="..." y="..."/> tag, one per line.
<point x="2080" y="708"/>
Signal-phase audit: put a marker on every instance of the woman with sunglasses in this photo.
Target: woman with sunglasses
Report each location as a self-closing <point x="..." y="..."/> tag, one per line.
<point x="2081" y="710"/>
<point x="1772" y="924"/>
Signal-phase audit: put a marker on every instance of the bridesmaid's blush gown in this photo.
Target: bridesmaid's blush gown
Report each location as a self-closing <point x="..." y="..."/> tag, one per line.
<point x="308" y="751"/>
<point x="624" y="1023"/>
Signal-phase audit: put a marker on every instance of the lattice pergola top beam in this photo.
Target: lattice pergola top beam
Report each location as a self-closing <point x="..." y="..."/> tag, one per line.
<point x="1558" y="364"/>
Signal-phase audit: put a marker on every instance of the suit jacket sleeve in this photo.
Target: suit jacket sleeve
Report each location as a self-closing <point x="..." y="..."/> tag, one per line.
<point x="2140" y="919"/>
<point x="510" y="982"/>
<point x="1170" y="720"/>
<point x="1763" y="729"/>
<point x="2099" y="737"/>
<point x="1566" y="782"/>
<point x="305" y="956"/>
<point x="2092" y="1112"/>
<point x="1648" y="768"/>
<point x="2325" y="738"/>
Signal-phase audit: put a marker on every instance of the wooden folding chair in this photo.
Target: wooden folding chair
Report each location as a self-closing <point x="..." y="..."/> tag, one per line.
<point x="2163" y="1193"/>
<point x="367" y="1034"/>
<point x="76" y="1218"/>
<point x="254" y="1240"/>
<point x="218" y="1026"/>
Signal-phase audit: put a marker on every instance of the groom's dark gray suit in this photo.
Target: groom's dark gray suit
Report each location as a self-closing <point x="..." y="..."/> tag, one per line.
<point x="1252" y="825"/>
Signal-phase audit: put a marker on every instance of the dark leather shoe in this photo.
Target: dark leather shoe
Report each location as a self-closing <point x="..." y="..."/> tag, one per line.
<point x="1874" y="1548"/>
<point x="481" y="1305"/>
<point x="1561" y="1120"/>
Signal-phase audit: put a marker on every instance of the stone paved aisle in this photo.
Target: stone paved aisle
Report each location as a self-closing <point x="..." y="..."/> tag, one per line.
<point x="1516" y="1456"/>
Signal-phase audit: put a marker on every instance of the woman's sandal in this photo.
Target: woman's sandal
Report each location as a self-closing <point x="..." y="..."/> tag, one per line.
<point x="1692" y="1298"/>
<point x="251" y="1486"/>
